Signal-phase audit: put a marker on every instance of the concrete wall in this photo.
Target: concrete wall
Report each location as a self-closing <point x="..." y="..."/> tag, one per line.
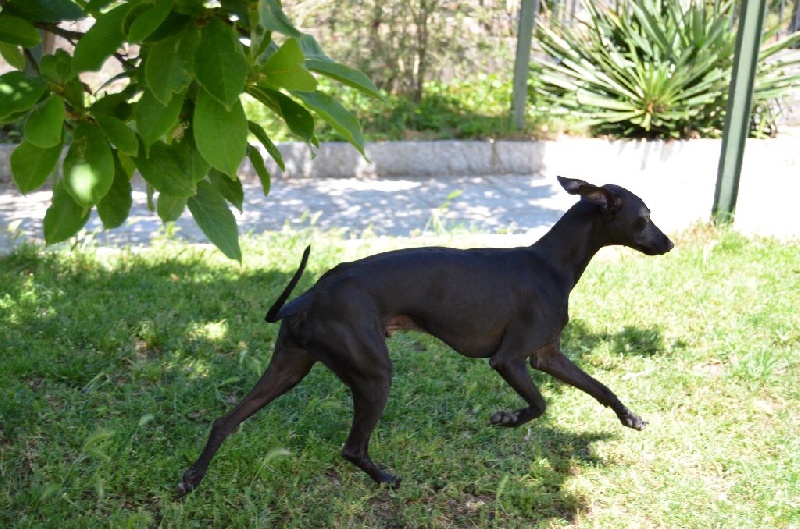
<point x="573" y="157"/>
<point x="567" y="156"/>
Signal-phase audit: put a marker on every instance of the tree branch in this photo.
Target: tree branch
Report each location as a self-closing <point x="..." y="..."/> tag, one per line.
<point x="73" y="37"/>
<point x="66" y="34"/>
<point x="31" y="61"/>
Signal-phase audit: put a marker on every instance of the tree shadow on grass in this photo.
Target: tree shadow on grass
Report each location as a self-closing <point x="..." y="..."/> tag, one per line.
<point x="144" y="310"/>
<point x="558" y="455"/>
<point x="578" y="338"/>
<point x="115" y="366"/>
<point x="523" y="485"/>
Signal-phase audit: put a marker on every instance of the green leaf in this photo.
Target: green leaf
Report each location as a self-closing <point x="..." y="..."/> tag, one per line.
<point x="115" y="104"/>
<point x="57" y="67"/>
<point x="211" y="213"/>
<point x="44" y="10"/>
<point x="312" y="49"/>
<point x="168" y="66"/>
<point x="193" y="8"/>
<point x="346" y="75"/>
<point x="257" y="131"/>
<point x="286" y="69"/>
<point x="220" y="134"/>
<point x="74" y="94"/>
<point x="18" y="93"/>
<point x="240" y="8"/>
<point x="93" y="6"/>
<point x="88" y="166"/>
<point x="101" y="41"/>
<point x="65" y="217"/>
<point x="230" y="188"/>
<point x="31" y="165"/>
<point x="115" y="207"/>
<point x="274" y="19"/>
<point x="170" y="208"/>
<point x="257" y="161"/>
<point x="18" y="31"/>
<point x="297" y="117"/>
<point x="119" y="134"/>
<point x="45" y="124"/>
<point x="175" y="23"/>
<point x="338" y="117"/>
<point x="148" y="20"/>
<point x="193" y="162"/>
<point x="13" y="55"/>
<point x="136" y="8"/>
<point x="153" y="119"/>
<point x="219" y="64"/>
<point x="318" y="61"/>
<point x="171" y="169"/>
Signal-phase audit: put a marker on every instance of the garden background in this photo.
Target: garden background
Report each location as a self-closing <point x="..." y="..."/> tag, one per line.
<point x="117" y="357"/>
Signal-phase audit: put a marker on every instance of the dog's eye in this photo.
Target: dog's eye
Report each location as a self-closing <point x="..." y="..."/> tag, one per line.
<point x="642" y="222"/>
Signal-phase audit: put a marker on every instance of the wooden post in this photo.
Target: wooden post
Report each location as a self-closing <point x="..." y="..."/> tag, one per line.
<point x="740" y="102"/>
<point x="527" y="18"/>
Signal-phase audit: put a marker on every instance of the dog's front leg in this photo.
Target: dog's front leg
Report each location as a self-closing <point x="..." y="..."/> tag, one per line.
<point x="551" y="360"/>
<point x="514" y="371"/>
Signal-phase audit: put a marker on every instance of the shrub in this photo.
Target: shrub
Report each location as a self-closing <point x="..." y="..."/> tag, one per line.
<point x="475" y="108"/>
<point x="655" y="69"/>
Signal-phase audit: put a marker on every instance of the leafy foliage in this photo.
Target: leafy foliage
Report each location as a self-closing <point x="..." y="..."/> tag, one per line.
<point x="174" y="112"/>
<point x="471" y="108"/>
<point x="656" y="69"/>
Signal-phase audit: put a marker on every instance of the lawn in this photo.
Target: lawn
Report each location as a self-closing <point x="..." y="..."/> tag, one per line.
<point x="115" y="362"/>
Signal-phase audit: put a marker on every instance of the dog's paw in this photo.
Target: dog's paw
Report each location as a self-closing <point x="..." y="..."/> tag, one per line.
<point x="183" y="489"/>
<point x="189" y="481"/>
<point x="632" y="421"/>
<point x="505" y="418"/>
<point x="391" y="482"/>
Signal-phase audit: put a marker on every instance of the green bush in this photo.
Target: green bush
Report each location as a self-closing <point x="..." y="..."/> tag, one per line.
<point x="477" y="108"/>
<point x="655" y="69"/>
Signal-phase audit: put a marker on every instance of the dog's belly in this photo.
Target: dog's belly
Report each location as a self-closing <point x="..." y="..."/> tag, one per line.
<point x="400" y="322"/>
<point x="475" y="342"/>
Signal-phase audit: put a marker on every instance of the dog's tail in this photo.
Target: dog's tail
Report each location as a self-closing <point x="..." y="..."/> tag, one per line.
<point x="272" y="313"/>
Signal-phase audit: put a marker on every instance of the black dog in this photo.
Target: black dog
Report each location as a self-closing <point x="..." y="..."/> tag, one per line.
<point x="507" y="305"/>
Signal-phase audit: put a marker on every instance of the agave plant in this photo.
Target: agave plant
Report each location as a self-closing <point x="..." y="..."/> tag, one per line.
<point x="655" y="68"/>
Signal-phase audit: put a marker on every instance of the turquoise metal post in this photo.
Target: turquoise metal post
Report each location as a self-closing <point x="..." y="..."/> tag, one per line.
<point x="740" y="102"/>
<point x="522" y="61"/>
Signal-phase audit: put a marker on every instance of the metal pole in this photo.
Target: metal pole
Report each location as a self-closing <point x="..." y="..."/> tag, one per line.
<point x="527" y="18"/>
<point x="740" y="102"/>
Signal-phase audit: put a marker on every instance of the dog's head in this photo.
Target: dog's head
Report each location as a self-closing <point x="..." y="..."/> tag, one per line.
<point x="626" y="217"/>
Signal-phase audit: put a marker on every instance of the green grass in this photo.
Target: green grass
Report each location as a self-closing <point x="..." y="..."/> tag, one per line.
<point x="115" y="362"/>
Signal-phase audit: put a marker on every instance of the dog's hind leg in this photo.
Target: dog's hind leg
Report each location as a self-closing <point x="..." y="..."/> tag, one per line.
<point x="289" y="365"/>
<point x="369" y="401"/>
<point x="361" y="360"/>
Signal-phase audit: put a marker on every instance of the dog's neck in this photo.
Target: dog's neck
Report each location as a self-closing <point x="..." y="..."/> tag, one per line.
<point x="572" y="242"/>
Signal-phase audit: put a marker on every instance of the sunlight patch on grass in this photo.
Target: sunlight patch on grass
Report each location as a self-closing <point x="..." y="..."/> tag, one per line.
<point x="193" y="368"/>
<point x="214" y="331"/>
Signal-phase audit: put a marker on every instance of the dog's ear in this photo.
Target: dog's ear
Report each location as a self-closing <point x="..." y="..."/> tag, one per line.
<point x="608" y="201"/>
<point x="572" y="185"/>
